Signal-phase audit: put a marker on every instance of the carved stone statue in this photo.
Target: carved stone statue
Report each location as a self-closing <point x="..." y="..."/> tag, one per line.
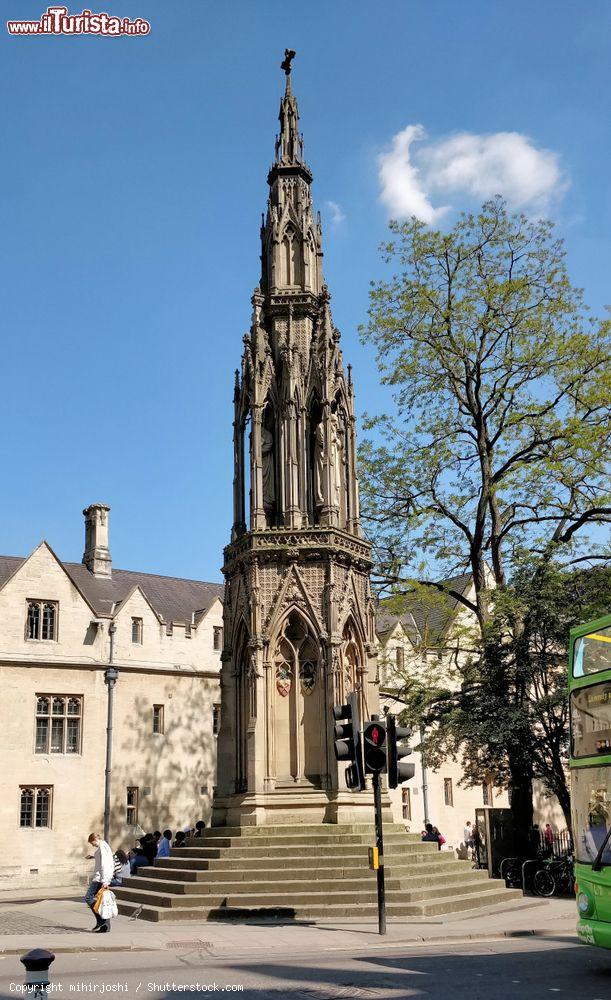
<point x="319" y="465"/>
<point x="337" y="462"/>
<point x="267" y="461"/>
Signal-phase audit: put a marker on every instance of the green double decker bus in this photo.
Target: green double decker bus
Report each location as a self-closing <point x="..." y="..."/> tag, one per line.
<point x="590" y="707"/>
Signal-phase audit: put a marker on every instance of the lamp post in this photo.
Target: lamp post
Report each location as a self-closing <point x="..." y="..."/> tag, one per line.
<point x="424" y="786"/>
<point x="110" y="679"/>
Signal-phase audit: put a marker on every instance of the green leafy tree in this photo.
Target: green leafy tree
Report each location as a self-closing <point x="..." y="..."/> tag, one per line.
<point x="512" y="700"/>
<point x="499" y="433"/>
<point x="497" y="439"/>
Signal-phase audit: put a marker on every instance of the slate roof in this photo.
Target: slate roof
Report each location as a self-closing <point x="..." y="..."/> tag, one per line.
<point x="419" y="618"/>
<point x="174" y="599"/>
<point x="178" y="600"/>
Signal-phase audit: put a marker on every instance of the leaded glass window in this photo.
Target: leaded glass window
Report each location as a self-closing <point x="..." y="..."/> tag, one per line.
<point x="33" y="620"/>
<point x="48" y="621"/>
<point x="35" y="806"/>
<point x="58" y="724"/>
<point x="43" y="807"/>
<point x="41" y="622"/>
<point x="27" y="807"/>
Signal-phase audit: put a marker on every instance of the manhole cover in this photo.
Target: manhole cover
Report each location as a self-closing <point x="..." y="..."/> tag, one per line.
<point x="342" y="992"/>
<point x="188" y="944"/>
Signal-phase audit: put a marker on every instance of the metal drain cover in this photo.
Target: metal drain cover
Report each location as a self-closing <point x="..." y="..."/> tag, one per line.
<point x="184" y="945"/>
<point x="346" y="991"/>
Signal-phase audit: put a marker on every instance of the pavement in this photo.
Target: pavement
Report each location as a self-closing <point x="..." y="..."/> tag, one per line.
<point x="63" y="925"/>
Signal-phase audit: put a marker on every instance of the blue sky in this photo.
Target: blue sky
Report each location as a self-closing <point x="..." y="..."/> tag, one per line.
<point x="133" y="176"/>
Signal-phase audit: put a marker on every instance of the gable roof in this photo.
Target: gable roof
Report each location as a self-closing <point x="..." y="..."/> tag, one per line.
<point x="173" y="598"/>
<point x="420" y="618"/>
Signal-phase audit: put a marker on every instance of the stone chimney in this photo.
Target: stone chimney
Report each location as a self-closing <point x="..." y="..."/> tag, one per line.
<point x="97" y="554"/>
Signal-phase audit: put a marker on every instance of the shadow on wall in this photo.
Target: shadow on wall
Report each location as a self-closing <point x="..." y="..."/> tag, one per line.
<point x="174" y="765"/>
<point x="546" y="807"/>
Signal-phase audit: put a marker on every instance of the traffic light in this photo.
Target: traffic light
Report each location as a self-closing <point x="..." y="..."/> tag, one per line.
<point x="398" y="772"/>
<point x="374" y="740"/>
<point x="347" y="743"/>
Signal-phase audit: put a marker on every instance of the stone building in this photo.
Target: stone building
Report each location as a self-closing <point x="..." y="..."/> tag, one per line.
<point x="298" y="612"/>
<point x="61" y="626"/>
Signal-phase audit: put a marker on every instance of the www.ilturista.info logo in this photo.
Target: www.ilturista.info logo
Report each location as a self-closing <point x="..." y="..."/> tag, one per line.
<point x="57" y="21"/>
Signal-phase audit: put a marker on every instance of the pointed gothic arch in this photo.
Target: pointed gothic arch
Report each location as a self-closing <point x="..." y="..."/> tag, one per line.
<point x="270" y="463"/>
<point x="242" y="704"/>
<point x="291" y="256"/>
<point x="315" y="452"/>
<point x="298" y="700"/>
<point x="312" y="258"/>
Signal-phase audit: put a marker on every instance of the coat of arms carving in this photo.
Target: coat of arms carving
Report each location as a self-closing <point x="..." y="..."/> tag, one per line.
<point x="284" y="678"/>
<point x="307" y="675"/>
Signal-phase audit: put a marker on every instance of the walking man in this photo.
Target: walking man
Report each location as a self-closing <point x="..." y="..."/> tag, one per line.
<point x="468" y="839"/>
<point x="103" y="871"/>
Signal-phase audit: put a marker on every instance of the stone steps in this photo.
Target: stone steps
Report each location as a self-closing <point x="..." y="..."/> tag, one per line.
<point x="349" y="869"/>
<point x="194" y="848"/>
<point x="278" y="885"/>
<point x="329" y="910"/>
<point x="289" y="850"/>
<point x="301" y="872"/>
<point x="337" y="894"/>
<point x="347" y="860"/>
<point x="309" y="830"/>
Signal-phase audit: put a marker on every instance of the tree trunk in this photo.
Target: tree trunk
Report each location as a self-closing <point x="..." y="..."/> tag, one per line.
<point x="521" y="801"/>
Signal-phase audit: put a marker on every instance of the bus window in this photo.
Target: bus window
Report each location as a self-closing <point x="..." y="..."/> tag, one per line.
<point x="592" y="653"/>
<point x="591" y="721"/>
<point x="591" y="800"/>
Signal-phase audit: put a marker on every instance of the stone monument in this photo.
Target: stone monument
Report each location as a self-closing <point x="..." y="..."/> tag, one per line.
<point x="298" y="611"/>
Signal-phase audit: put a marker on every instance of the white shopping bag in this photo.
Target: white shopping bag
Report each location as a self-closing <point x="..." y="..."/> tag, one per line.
<point x="108" y="907"/>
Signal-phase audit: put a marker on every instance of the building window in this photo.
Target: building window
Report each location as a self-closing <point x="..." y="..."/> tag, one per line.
<point x="35" y="806"/>
<point x="58" y="723"/>
<point x="448" y="796"/>
<point x="400" y="657"/>
<point x="187" y="631"/>
<point x="487" y="792"/>
<point x="406" y="803"/>
<point x="137" y="631"/>
<point x="169" y="629"/>
<point x="131" y="815"/>
<point x="216" y="719"/>
<point x="218" y="637"/>
<point x="41" y="620"/>
<point x="158" y="719"/>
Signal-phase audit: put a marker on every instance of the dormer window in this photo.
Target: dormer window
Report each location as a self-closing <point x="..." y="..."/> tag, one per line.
<point x="41" y="620"/>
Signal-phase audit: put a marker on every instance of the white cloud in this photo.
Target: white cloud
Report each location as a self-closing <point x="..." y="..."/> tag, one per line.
<point x="413" y="180"/>
<point x="337" y="214"/>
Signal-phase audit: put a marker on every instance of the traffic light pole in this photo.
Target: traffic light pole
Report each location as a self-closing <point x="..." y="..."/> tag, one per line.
<point x="377" y="801"/>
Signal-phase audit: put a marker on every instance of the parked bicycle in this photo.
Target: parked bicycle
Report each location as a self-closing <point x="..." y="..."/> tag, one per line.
<point x="511" y="872"/>
<point x="555" y="877"/>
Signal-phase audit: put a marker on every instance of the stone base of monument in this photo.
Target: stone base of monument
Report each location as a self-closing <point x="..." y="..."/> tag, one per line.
<point x="296" y="805"/>
<point x="313" y="871"/>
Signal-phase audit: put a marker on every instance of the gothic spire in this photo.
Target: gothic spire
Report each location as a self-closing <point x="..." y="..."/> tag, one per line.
<point x="289" y="144"/>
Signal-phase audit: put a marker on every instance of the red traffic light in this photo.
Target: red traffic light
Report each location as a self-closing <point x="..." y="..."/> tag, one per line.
<point x="374" y="740"/>
<point x="376" y="734"/>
